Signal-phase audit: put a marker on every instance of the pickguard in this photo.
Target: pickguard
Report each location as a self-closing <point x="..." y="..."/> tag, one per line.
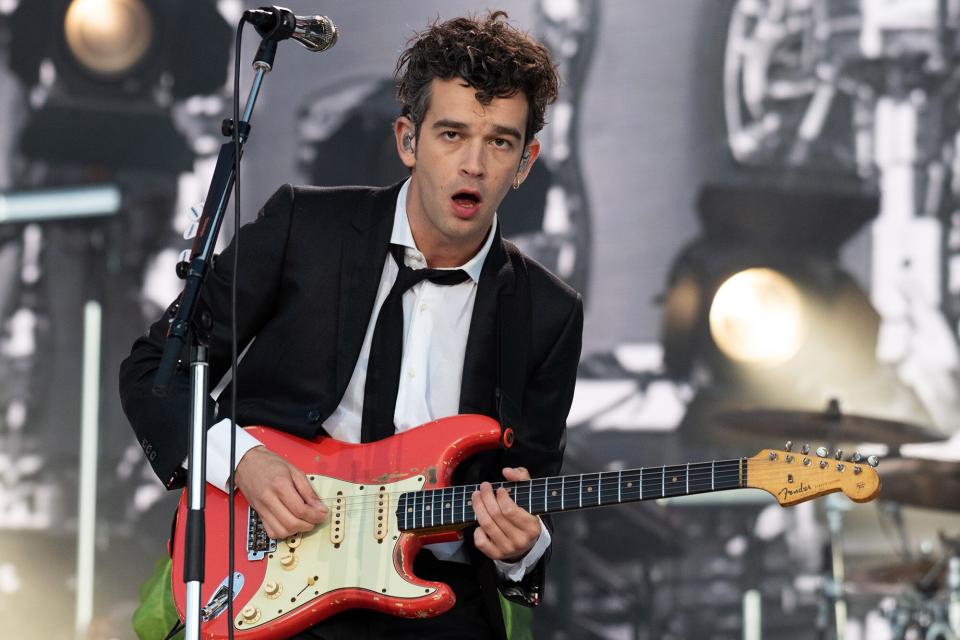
<point x="310" y="566"/>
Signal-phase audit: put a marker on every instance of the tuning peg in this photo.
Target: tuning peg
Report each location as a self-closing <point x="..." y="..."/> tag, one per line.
<point x="788" y="446"/>
<point x="822" y="452"/>
<point x="857" y="471"/>
<point x="823" y="464"/>
<point x="873" y="461"/>
<point x="805" y="449"/>
<point x="839" y="454"/>
<point x="773" y="455"/>
<point x="856" y="457"/>
<point x="840" y="466"/>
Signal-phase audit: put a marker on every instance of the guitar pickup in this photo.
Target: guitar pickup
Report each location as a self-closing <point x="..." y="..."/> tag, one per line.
<point x="339" y="519"/>
<point x="383" y="500"/>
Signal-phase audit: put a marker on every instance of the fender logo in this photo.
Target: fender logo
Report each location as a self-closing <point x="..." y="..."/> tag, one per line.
<point x="787" y="492"/>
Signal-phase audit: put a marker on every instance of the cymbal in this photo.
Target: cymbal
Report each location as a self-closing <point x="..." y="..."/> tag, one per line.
<point x="932" y="484"/>
<point x="883" y="578"/>
<point x="825" y="426"/>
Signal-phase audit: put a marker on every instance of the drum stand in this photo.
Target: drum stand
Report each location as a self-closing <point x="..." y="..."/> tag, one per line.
<point x="833" y="584"/>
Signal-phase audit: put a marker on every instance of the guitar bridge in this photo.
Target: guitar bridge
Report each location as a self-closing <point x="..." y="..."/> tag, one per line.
<point x="258" y="542"/>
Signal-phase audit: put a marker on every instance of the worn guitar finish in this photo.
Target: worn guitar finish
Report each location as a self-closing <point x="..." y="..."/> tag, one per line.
<point x="389" y="498"/>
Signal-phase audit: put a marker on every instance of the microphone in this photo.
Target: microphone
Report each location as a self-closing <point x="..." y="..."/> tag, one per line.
<point x="316" y="33"/>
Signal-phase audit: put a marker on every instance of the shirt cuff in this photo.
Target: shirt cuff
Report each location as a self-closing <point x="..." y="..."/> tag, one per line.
<point x="218" y="452"/>
<point x="514" y="571"/>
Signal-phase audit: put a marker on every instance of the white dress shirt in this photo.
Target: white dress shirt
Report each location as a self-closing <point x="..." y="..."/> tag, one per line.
<point x="436" y="321"/>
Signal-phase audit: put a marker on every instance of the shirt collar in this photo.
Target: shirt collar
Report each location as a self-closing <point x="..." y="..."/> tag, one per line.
<point x="404" y="237"/>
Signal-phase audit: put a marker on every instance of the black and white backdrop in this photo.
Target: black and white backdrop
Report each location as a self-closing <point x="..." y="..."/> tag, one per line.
<point x="692" y="140"/>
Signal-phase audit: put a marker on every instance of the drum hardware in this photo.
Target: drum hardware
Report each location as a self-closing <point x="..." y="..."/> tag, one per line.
<point x="830" y="425"/>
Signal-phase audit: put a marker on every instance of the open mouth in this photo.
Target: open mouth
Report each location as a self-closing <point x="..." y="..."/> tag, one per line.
<point x="466" y="199"/>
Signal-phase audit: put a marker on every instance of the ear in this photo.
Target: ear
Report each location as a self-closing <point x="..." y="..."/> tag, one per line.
<point x="402" y="128"/>
<point x="529" y="156"/>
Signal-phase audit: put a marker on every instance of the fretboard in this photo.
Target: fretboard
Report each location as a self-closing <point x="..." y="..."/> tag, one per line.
<point x="452" y="505"/>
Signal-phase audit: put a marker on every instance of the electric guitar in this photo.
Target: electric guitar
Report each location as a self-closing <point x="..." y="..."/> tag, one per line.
<point x="388" y="498"/>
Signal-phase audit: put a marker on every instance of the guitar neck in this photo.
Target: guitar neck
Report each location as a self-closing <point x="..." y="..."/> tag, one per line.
<point x="449" y="506"/>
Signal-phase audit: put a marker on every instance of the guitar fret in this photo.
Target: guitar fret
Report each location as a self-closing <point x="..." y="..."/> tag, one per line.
<point x="443" y="504"/>
<point x="674" y="480"/>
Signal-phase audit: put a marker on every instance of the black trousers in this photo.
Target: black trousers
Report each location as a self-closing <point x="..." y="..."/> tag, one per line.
<point x="467" y="620"/>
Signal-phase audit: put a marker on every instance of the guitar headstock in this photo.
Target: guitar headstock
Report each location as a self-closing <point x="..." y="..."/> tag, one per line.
<point x="796" y="477"/>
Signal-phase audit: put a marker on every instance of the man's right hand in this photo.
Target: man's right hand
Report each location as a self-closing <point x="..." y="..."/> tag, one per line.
<point x="279" y="492"/>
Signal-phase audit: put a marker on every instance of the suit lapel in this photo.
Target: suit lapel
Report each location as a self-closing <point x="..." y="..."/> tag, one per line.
<point x="367" y="235"/>
<point x="480" y="358"/>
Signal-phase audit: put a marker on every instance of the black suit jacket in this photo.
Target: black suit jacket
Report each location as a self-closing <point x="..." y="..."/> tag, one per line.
<point x="309" y="270"/>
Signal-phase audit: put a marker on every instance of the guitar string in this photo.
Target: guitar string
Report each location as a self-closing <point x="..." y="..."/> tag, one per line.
<point x="371" y="496"/>
<point x="571" y="483"/>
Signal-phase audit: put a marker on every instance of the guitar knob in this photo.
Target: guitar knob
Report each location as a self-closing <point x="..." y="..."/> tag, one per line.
<point x="822" y="452"/>
<point x="272" y="589"/>
<point x="250" y="614"/>
<point x="873" y="461"/>
<point x="288" y="560"/>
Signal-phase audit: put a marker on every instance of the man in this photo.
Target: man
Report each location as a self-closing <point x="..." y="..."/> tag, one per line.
<point x="318" y="269"/>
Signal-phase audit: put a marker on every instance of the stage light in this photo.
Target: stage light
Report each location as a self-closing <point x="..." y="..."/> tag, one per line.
<point x="757" y="317"/>
<point x="108" y="37"/>
<point x="118" y="67"/>
<point x="759" y="302"/>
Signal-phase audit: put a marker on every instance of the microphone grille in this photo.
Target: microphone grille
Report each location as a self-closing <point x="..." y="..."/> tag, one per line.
<point x="316" y="33"/>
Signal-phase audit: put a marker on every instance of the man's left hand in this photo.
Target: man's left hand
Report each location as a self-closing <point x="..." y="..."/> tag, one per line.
<point x="506" y="532"/>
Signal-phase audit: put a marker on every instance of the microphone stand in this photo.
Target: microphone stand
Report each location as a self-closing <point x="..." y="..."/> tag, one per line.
<point x="186" y="329"/>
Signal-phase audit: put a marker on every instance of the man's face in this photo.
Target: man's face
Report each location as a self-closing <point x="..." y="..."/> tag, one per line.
<point x="464" y="161"/>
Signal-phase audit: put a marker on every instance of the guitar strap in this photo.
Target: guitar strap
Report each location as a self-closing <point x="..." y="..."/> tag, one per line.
<point x="513" y="335"/>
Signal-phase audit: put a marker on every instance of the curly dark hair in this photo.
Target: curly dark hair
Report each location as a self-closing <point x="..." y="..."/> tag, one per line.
<point x="489" y="54"/>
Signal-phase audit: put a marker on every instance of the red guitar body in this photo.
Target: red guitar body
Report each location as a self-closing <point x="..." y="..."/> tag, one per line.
<point x="351" y="561"/>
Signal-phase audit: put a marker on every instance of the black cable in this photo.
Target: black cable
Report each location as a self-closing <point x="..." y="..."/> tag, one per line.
<point x="231" y="560"/>
<point x="177" y="627"/>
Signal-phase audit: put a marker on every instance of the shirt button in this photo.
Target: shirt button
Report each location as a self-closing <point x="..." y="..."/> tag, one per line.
<point x="411" y="374"/>
<point x="423" y="307"/>
<point x="314" y="416"/>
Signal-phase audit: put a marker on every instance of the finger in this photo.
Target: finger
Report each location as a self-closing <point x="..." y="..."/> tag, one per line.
<point x="513" y="513"/>
<point x="484" y="545"/>
<point x="485" y="519"/>
<point x="316" y="510"/>
<point x="516" y="474"/>
<point x="515" y="523"/>
<point x="292" y="511"/>
<point x="271" y="524"/>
